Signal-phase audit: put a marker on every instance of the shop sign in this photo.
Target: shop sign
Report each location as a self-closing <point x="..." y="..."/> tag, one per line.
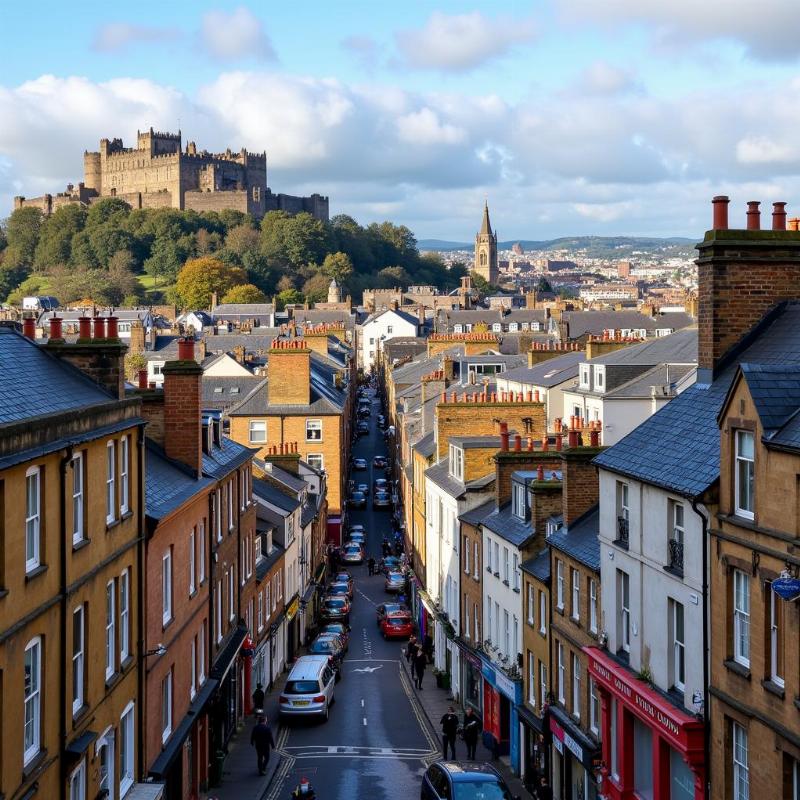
<point x="293" y="608"/>
<point x="505" y="685"/>
<point x="471" y="657"/>
<point x="563" y="738"/>
<point x="488" y="672"/>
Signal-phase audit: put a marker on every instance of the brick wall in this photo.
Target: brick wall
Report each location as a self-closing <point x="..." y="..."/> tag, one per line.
<point x="581" y="485"/>
<point x="183" y="430"/>
<point x="509" y="461"/>
<point x="289" y="371"/>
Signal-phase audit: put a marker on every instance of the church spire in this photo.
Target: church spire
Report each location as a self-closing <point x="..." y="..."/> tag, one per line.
<point x="486" y="226"/>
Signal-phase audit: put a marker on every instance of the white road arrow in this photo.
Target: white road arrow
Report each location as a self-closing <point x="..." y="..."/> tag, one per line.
<point x="368" y="669"/>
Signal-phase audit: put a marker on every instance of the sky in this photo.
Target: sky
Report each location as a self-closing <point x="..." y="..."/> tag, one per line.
<point x="571" y="117"/>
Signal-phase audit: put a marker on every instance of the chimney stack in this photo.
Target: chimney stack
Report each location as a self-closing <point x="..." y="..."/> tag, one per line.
<point x="29" y="327"/>
<point x="56" y="332"/>
<point x="183" y="425"/>
<point x="289" y="372"/>
<point x="720" y="205"/>
<point x="753" y="216"/>
<point x="99" y="327"/>
<point x="504" y="436"/>
<point x="779" y="216"/>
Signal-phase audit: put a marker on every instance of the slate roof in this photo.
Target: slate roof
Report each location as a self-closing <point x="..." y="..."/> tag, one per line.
<point x="538" y="566"/>
<point x="677" y="348"/>
<point x="548" y="373"/>
<point x="439" y="474"/>
<point x="35" y="383"/>
<point x="226" y="458"/>
<point x="789" y="435"/>
<point x="168" y="485"/>
<point x="509" y="526"/>
<point x="249" y="310"/>
<point x="580" y="541"/>
<point x="220" y="392"/>
<point x="678" y="447"/>
<point x="282" y="475"/>
<point x="316" y="316"/>
<point x="469" y="442"/>
<point x="274" y="496"/>
<point x="775" y="389"/>
<point x="476" y="515"/>
<point x="595" y="322"/>
<point x="426" y="446"/>
<point x="640" y="386"/>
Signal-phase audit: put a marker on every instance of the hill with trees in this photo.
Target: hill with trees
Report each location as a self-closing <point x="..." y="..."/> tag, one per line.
<point x="120" y="256"/>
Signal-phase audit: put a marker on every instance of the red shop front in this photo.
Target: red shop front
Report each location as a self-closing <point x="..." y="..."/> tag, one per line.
<point x="650" y="747"/>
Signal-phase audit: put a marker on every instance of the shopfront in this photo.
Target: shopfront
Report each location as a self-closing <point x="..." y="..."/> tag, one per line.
<point x="471" y="680"/>
<point x="292" y="628"/>
<point x="422" y="608"/>
<point x="534" y="734"/>
<point x="650" y="747"/>
<point x="574" y="758"/>
<point x="501" y="696"/>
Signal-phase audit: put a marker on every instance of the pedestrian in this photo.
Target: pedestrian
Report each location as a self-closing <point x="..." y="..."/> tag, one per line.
<point x="472" y="727"/>
<point x="261" y="738"/>
<point x="449" y="723"/>
<point x="258" y="698"/>
<point x="411" y="648"/>
<point x="420" y="663"/>
<point x="545" y="791"/>
<point x="371" y="565"/>
<point x="427" y="647"/>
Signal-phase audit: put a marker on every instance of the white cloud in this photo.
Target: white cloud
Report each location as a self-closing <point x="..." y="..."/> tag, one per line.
<point x="424" y="127"/>
<point x="115" y="36"/>
<point x="237" y="34"/>
<point x="600" y="77"/>
<point x="603" y="212"/>
<point x="761" y="150"/>
<point x="461" y="41"/>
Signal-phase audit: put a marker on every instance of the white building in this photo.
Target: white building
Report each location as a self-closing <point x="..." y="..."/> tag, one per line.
<point x="379" y="328"/>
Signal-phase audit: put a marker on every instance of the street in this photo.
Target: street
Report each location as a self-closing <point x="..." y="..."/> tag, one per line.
<point x="376" y="743"/>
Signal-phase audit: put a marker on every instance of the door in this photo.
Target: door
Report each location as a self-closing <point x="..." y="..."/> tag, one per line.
<point x="105" y="758"/>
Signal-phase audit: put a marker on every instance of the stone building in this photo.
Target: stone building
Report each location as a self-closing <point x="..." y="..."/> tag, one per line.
<point x="158" y="173"/>
<point x="486" y="250"/>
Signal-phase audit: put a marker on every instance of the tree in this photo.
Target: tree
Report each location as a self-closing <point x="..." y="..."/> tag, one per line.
<point x="166" y="260"/>
<point x="337" y="266"/>
<point x="206" y="242"/>
<point x="241" y="240"/>
<point x="55" y="241"/>
<point x="34" y="285"/>
<point x="22" y="232"/>
<point x="286" y="297"/>
<point x="244" y="293"/>
<point x="200" y="277"/>
<point x="121" y="283"/>
<point x="315" y="288"/>
<point x="109" y="209"/>
<point x="389" y="277"/>
<point x="544" y="285"/>
<point x="294" y="241"/>
<point x="285" y="283"/>
<point x="479" y="282"/>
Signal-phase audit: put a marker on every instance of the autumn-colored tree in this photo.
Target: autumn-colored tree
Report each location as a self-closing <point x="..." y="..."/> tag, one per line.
<point x="200" y="277"/>
<point x="337" y="266"/>
<point x="244" y="293"/>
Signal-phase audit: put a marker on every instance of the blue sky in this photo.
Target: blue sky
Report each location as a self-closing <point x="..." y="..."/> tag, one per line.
<point x="571" y="116"/>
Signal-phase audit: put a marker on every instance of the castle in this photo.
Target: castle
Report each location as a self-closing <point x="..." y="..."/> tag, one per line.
<point x="486" y="250"/>
<point x="158" y="173"/>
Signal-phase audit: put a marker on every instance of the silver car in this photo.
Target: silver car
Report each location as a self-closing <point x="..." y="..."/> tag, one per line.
<point x="309" y="689"/>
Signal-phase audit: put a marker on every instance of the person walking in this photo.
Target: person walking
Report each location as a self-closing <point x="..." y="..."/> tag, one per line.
<point x="420" y="663"/>
<point x="449" y="723"/>
<point x="411" y="648"/>
<point x="258" y="699"/>
<point x="261" y="738"/>
<point x="371" y="565"/>
<point x="427" y="647"/>
<point x="472" y="729"/>
<point x="545" y="791"/>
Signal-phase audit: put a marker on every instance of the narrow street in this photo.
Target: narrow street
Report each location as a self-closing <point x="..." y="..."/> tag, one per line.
<point x="376" y="743"/>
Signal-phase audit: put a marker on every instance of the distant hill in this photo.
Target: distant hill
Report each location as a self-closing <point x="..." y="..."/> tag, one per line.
<point x="596" y="246"/>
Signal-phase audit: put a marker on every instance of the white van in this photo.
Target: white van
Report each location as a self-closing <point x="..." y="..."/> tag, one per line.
<point x="309" y="688"/>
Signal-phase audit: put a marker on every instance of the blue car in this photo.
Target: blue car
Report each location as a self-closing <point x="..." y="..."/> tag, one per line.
<point x="463" y="780"/>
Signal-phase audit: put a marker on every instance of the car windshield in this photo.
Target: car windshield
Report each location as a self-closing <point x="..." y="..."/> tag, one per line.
<point x="335" y="602"/>
<point x="301" y="687"/>
<point x="398" y="622"/>
<point x="352" y="548"/>
<point x="337" y="629"/>
<point x="358" y="495"/>
<point x="479" y="789"/>
<point x="338" y="588"/>
<point x="324" y="646"/>
<point x="382" y="496"/>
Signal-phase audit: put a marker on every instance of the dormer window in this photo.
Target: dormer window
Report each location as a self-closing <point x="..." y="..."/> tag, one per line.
<point x="585" y="382"/>
<point x="458" y="329"/>
<point x="553" y="526"/>
<point x="456" y="462"/>
<point x="599" y="377"/>
<point x="513" y="326"/>
<point x="519" y="499"/>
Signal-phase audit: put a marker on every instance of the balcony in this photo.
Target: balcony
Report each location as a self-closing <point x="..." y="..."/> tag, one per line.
<point x="675" y="556"/>
<point x="623" y="532"/>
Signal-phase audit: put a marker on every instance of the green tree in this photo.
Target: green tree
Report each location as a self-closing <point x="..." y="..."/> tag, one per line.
<point x="109" y="209"/>
<point x="286" y="297"/>
<point x="544" y="285"/>
<point x="479" y="282"/>
<point x="34" y="285"/>
<point x="121" y="282"/>
<point x="166" y="260"/>
<point x="244" y="293"/>
<point x="389" y="277"/>
<point x="337" y="266"/>
<point x="23" y="229"/>
<point x="315" y="288"/>
<point x="201" y="277"/>
<point x="55" y="241"/>
<point x="294" y="241"/>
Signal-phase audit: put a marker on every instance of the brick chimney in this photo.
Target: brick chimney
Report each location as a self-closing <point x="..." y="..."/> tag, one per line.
<point x="289" y="372"/>
<point x="137" y="344"/>
<point x="284" y="455"/>
<point x="742" y="273"/>
<point x="544" y="351"/>
<point x="581" y="486"/>
<point x="432" y="385"/>
<point x="183" y="424"/>
<point x="509" y="460"/>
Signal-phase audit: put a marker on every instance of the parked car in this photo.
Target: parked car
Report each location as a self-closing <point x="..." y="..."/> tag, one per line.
<point x="357" y="538"/>
<point x="390" y="564"/>
<point x="380" y="485"/>
<point x="344" y="588"/>
<point x="329" y="645"/>
<point x="335" y="609"/>
<point x="381" y="500"/>
<point x="362" y="429"/>
<point x="340" y="629"/>
<point x="309" y="689"/>
<point x="356" y="526"/>
<point x="464" y="779"/>
<point x="359" y="463"/>
<point x="362" y="487"/>
<point x="364" y="411"/>
<point x="357" y="500"/>
<point x="395" y="582"/>
<point x="379" y="462"/>
<point x="397" y="626"/>
<point x="352" y="553"/>
<point x="384" y="609"/>
<point x="381" y="421"/>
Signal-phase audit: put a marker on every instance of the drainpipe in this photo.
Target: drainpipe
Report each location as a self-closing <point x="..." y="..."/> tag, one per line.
<point x="62" y="714"/>
<point x="706" y="698"/>
<point x="140" y="616"/>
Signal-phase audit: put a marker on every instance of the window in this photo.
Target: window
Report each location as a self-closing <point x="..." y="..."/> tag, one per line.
<point x="514" y="637"/>
<point x="520" y="501"/>
<point x="477" y="622"/>
<point x="476" y="553"/>
<point x="111" y="481"/>
<point x="594" y="708"/>
<point x="745" y="456"/>
<point x="488" y="555"/>
<point x="127" y="743"/>
<point x="124" y="482"/>
<point x="776" y="627"/>
<point x="741" y="772"/>
<point x="542" y="613"/>
<point x="124" y="616"/>
<point x="218" y="513"/>
<point x="456" y="462"/>
<point x="78" y="530"/>
<point x="193" y="669"/>
<point x="624" y="611"/>
<point x="489" y="617"/>
<point x="506" y="634"/>
<point x="678" y="646"/>
<point x="231" y="583"/>
<point x="33" y="700"/>
<point x="78" y="660"/>
<point x="77" y="782"/>
<point x="218" y="615"/>
<point x="201" y="553"/>
<point x="576" y="595"/>
<point x="166" y="587"/>
<point x="542" y="684"/>
<point x="192" y="564"/>
<point x="506" y="567"/>
<point x="111" y="630"/>
<point x="497" y="559"/>
<point x="561" y="674"/>
<point x="675" y="540"/>
<point x="258" y="431"/>
<point x="531" y="605"/>
<point x="166" y="706"/>
<point x="531" y="679"/>
<point x="741" y="617"/>
<point x="592" y="605"/>
<point x="260" y="612"/>
<point x="623" y="514"/>
<point x="466" y="549"/>
<point x="559" y="585"/>
<point x="515" y="571"/>
<point x="598" y="377"/>
<point x="576" y="687"/>
<point x="229" y="493"/>
<point x="313" y="430"/>
<point x="33" y="532"/>
<point x="315" y="461"/>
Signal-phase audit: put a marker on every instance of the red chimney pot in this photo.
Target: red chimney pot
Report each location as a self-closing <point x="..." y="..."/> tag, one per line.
<point x="517" y="443"/>
<point x="594" y="438"/>
<point x="186" y="349"/>
<point x="142" y="378"/>
<point x="99" y="327"/>
<point x="559" y="441"/>
<point x="84" y="328"/>
<point x="55" y="328"/>
<point x="779" y="216"/>
<point x="540" y="472"/>
<point x="29" y="327"/>
<point x="111" y="331"/>
<point x="753" y="215"/>
<point x="720" y="214"/>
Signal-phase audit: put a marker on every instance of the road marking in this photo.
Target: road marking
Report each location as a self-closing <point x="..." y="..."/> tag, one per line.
<point x="417" y="709"/>
<point x="368" y="669"/>
<point x="365" y="722"/>
<point x="362" y="702"/>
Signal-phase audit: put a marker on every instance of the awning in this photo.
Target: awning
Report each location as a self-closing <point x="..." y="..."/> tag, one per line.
<point x="530" y="719"/>
<point x="172" y="749"/>
<point x="568" y="736"/>
<point x="78" y="746"/>
<point x="228" y="655"/>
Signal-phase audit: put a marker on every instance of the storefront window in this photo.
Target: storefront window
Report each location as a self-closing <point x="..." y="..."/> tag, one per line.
<point x="472" y="686"/>
<point x="681" y="777"/>
<point x="613" y="736"/>
<point x="642" y="760"/>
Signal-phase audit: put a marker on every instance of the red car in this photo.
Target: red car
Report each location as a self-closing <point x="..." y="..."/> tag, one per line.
<point x="397" y="626"/>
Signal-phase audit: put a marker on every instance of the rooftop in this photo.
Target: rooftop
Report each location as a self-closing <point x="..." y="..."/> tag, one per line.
<point x="580" y="541"/>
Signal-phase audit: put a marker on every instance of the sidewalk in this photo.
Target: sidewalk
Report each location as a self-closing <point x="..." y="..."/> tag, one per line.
<point x="240" y="778"/>
<point x="435" y="702"/>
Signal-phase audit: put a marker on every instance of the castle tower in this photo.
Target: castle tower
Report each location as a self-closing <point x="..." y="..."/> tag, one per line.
<point x="486" y="250"/>
<point x="334" y="292"/>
